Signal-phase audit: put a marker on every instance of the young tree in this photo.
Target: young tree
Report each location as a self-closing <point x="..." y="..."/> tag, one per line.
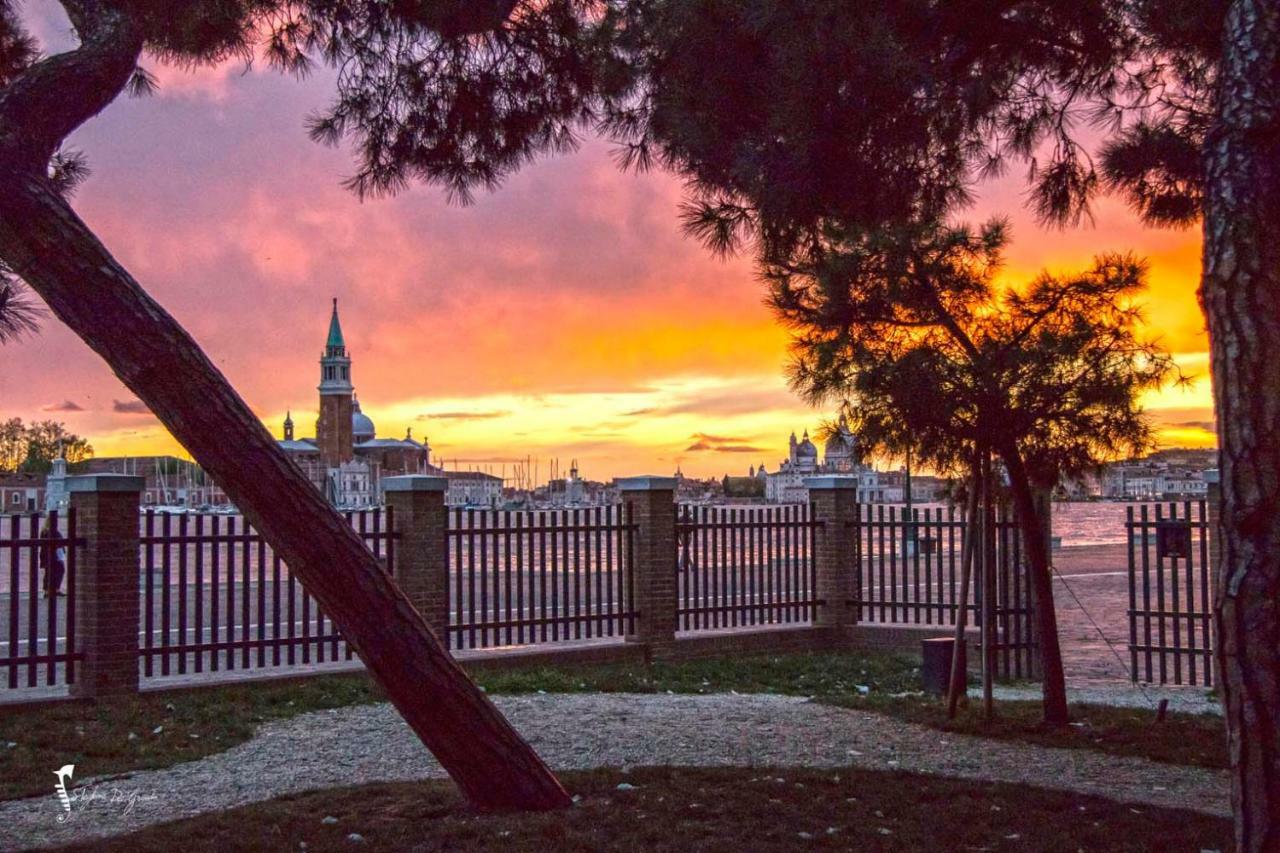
<point x="500" y="75"/>
<point x="906" y="330"/>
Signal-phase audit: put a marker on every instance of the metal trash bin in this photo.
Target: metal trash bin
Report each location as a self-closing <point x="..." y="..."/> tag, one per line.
<point x="935" y="670"/>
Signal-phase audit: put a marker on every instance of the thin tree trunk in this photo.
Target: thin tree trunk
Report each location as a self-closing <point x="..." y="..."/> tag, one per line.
<point x="1032" y="529"/>
<point x="987" y="577"/>
<point x="1240" y="293"/>
<point x="958" y="681"/>
<point x="52" y="249"/>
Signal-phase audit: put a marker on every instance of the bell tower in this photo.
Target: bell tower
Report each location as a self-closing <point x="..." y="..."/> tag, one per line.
<point x="333" y="429"/>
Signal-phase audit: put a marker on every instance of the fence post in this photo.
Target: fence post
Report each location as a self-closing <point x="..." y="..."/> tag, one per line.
<point x="650" y="503"/>
<point x="1035" y="660"/>
<point x="834" y="503"/>
<point x="422" y="551"/>
<point x="1214" y="529"/>
<point x="1213" y="518"/>
<point x="107" y="590"/>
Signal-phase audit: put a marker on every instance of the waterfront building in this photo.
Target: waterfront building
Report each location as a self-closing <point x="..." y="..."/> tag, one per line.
<point x="1153" y="479"/>
<point x="841" y="456"/>
<point x="168" y="481"/>
<point x="472" y="488"/>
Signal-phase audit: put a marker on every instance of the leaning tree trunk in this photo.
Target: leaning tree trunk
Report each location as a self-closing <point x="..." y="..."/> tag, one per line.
<point x="48" y="245"/>
<point x="44" y="241"/>
<point x="1240" y="292"/>
<point x="1032" y="528"/>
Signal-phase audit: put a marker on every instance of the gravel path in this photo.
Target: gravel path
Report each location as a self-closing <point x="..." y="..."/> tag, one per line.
<point x="371" y="744"/>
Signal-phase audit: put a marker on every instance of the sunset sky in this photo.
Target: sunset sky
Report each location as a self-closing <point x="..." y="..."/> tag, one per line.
<point x="564" y="316"/>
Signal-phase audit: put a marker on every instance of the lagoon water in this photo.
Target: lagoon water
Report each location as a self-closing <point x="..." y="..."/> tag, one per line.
<point x="1090" y="523"/>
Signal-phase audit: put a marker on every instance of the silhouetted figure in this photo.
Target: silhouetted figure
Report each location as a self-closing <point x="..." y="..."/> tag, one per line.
<point x="52" y="558"/>
<point x="684" y="536"/>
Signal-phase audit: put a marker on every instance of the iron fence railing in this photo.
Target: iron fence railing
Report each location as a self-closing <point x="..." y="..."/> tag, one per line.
<point x="37" y="622"/>
<point x="1170" y="593"/>
<point x="744" y="566"/>
<point x="539" y="576"/>
<point x="216" y="596"/>
<point x="909" y="566"/>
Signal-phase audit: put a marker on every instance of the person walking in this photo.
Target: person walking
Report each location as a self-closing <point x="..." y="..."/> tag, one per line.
<point x="52" y="558"/>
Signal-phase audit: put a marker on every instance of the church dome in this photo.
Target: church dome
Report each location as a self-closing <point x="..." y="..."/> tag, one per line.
<point x="361" y="425"/>
<point x="807" y="448"/>
<point x="839" y="443"/>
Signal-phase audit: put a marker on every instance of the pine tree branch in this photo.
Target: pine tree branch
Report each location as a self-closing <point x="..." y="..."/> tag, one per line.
<point x="43" y="105"/>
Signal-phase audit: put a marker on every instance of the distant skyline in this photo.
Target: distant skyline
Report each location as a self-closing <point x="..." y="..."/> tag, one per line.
<point x="563" y="316"/>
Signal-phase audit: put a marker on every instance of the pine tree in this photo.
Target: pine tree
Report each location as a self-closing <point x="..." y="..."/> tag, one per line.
<point x="907" y="332"/>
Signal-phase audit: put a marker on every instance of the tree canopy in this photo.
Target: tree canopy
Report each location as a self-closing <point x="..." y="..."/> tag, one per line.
<point x="908" y="332"/>
<point x="33" y="447"/>
<point x="785" y="117"/>
<point x="777" y="113"/>
<point x="19" y="315"/>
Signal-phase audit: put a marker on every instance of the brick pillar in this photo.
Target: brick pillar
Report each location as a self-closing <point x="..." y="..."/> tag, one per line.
<point x="651" y="503"/>
<point x="833" y="501"/>
<point x="107" y="589"/>
<point x="421" y="557"/>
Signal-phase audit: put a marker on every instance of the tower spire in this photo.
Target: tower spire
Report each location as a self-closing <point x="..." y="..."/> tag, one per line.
<point x="334" y="428"/>
<point x="335" y="341"/>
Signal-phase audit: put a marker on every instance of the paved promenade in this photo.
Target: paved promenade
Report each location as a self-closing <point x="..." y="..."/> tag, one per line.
<point x="1091" y="592"/>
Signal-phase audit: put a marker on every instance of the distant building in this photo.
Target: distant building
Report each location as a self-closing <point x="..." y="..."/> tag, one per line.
<point x="167" y="480"/>
<point x="574" y="489"/>
<point x="21" y="492"/>
<point x="786" y="485"/>
<point x="1153" y="479"/>
<point x="892" y="487"/>
<point x="748" y="487"/>
<point x="472" y="488"/>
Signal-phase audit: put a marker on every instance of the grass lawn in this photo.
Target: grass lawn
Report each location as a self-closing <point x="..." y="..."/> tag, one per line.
<point x="161" y="729"/>
<point x="1198" y="740"/>
<point x="727" y="809"/>
<point x="154" y="729"/>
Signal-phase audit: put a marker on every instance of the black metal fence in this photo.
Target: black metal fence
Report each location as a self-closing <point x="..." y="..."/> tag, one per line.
<point x="37" y="623"/>
<point x="1170" y="593"/>
<point x="540" y="576"/>
<point x="743" y="566"/>
<point x="909" y="568"/>
<point x="215" y="596"/>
